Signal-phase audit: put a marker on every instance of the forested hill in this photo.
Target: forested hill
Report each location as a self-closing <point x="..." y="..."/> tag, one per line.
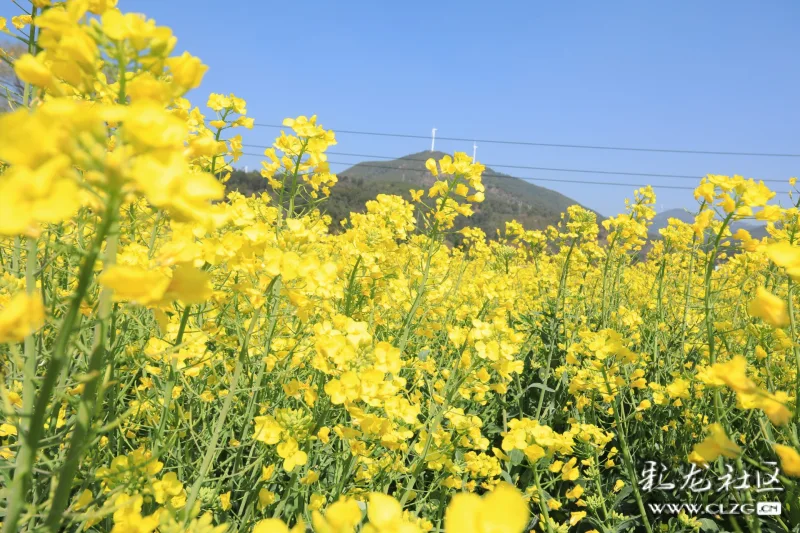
<point x="507" y="197"/>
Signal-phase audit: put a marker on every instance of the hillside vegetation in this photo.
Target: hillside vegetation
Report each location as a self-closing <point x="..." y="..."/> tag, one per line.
<point x="507" y="198"/>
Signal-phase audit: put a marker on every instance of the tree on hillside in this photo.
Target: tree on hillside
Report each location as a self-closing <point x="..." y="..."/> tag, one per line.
<point x="11" y="87"/>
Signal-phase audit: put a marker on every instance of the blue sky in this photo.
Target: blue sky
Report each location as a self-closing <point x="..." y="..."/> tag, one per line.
<point x="711" y="75"/>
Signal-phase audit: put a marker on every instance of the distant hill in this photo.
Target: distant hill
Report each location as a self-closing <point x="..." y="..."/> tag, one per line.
<point x="507" y="198"/>
<point x="661" y="220"/>
<point x="756" y="228"/>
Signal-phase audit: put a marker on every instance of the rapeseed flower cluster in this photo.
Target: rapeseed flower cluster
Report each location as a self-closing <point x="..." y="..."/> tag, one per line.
<point x="177" y="356"/>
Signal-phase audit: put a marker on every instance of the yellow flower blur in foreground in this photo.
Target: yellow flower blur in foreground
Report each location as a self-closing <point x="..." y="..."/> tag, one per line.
<point x="149" y="287"/>
<point x="787" y="255"/>
<point x="790" y="460"/>
<point x="770" y="308"/>
<point x="715" y="445"/>
<point x="21" y="316"/>
<point x="275" y="525"/>
<point x="502" y="510"/>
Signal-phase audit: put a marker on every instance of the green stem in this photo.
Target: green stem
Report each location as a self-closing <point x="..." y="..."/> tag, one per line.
<point x="226" y="407"/>
<point x="542" y="503"/>
<point x="170" y="385"/>
<point x="417" y="301"/>
<point x="451" y="387"/>
<point x="290" y="211"/>
<point x="26" y="93"/>
<point x="152" y="246"/>
<point x="626" y="455"/>
<point x="709" y="319"/>
<point x="17" y="495"/>
<point x="598" y="485"/>
<point x="660" y="314"/>
<point x="29" y="376"/>
<point x="609" y="254"/>
<point x="272" y="291"/>
<point x="81" y="433"/>
<point x="795" y="349"/>
<point x="16" y="255"/>
<point x="687" y="295"/>
<point x="560" y="300"/>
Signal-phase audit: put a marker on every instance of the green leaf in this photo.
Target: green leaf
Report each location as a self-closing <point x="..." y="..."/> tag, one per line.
<point x="541" y="386"/>
<point x="623" y="493"/>
<point x="706" y="524"/>
<point x="516" y="457"/>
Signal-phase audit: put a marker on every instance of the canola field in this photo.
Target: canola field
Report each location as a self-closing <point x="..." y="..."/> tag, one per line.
<point x="176" y="357"/>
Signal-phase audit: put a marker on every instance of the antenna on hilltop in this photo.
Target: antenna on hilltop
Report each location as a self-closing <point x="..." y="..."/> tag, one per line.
<point x="433" y="138"/>
<point x="474" y="151"/>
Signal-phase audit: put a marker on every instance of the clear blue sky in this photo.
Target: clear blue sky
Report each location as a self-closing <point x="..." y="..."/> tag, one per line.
<point x="712" y="75"/>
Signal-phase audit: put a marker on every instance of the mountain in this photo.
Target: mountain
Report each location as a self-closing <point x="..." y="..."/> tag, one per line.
<point x="757" y="229"/>
<point x="661" y="220"/>
<point x="507" y="198"/>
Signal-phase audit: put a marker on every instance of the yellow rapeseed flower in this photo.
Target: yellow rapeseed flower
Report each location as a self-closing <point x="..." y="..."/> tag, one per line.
<point x="341" y="516"/>
<point x="734" y="374"/>
<point x="20" y="317"/>
<point x="715" y="445"/>
<point x="790" y="459"/>
<point x="770" y="308"/>
<point x="786" y="255"/>
<point x="502" y="510"/>
<point x="276" y="525"/>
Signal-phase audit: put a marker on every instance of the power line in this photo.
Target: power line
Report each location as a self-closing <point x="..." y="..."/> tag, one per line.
<point x="549" y="169"/>
<point x="553" y="145"/>
<point x="504" y="176"/>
